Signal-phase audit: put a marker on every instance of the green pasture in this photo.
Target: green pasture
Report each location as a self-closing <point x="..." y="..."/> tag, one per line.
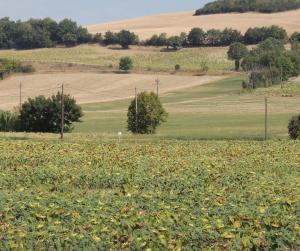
<point x="220" y="110"/>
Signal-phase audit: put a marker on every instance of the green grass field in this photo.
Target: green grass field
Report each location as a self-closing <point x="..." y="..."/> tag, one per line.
<point x="218" y="110"/>
<point x="168" y="195"/>
<point x="145" y="59"/>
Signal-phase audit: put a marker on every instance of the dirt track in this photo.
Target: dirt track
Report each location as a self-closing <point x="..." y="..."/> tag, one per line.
<point x="175" y="23"/>
<point x="91" y="87"/>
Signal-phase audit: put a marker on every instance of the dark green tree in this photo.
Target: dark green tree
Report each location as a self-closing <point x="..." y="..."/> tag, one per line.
<point x="110" y="38"/>
<point x="236" y="52"/>
<point x="43" y="114"/>
<point x="175" y="42"/>
<point x="126" y="38"/>
<point x="196" y="37"/>
<point x="150" y="114"/>
<point x="125" y="64"/>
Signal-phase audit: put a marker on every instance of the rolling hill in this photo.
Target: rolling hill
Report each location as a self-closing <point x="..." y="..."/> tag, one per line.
<point x="175" y="23"/>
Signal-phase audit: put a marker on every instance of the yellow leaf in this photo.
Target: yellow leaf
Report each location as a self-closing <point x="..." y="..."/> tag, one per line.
<point x="237" y="224"/>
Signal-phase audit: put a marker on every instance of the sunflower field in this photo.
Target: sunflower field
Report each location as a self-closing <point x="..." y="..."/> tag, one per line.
<point x="208" y="195"/>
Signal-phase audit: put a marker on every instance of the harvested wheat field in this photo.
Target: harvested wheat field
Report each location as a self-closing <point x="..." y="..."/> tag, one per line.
<point x="175" y="23"/>
<point x="92" y="87"/>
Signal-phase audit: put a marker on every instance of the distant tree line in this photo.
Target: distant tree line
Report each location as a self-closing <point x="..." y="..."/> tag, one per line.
<point x="197" y="37"/>
<point x="42" y="33"/>
<point x="266" y="6"/>
<point x="45" y="33"/>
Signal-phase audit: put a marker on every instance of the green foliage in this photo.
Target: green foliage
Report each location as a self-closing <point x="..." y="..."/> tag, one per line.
<point x="150" y="114"/>
<point x="271" y="63"/>
<point x="259" y="34"/>
<point x="156" y="40"/>
<point x="160" y="196"/>
<point x="196" y="37"/>
<point x="294" y="127"/>
<point x="69" y="39"/>
<point x="236" y="52"/>
<point x="175" y="42"/>
<point x="9" y="121"/>
<point x="123" y="38"/>
<point x="125" y="64"/>
<point x="266" y="6"/>
<point x="126" y="38"/>
<point x="177" y="67"/>
<point x="41" y="33"/>
<point x="43" y="114"/>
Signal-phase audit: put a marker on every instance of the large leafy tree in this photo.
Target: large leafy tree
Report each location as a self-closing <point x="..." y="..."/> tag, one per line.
<point x="236" y="52"/>
<point x="126" y="38"/>
<point x="150" y="114"/>
<point x="196" y="37"/>
<point x="43" y="114"/>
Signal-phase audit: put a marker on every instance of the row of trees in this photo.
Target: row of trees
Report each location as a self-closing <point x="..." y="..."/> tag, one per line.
<point x="197" y="37"/>
<point x="42" y="33"/>
<point x="266" y="6"/>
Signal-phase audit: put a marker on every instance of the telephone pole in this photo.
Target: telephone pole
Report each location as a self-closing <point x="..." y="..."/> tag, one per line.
<point x="266" y="118"/>
<point x="62" y="113"/>
<point x="136" y="112"/>
<point x="157" y="81"/>
<point x="20" y="94"/>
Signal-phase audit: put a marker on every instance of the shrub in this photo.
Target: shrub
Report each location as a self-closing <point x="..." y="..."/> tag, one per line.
<point x="126" y="64"/>
<point x="150" y="114"/>
<point x="294" y="127"/>
<point x="43" y="114"/>
<point x="177" y="67"/>
<point x="110" y="38"/>
<point x="8" y="121"/>
<point x="27" y="69"/>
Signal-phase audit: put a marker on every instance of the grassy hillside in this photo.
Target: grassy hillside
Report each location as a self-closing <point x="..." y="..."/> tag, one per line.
<point x="220" y="110"/>
<point x="145" y="59"/>
<point x="265" y="6"/>
<point x="161" y="196"/>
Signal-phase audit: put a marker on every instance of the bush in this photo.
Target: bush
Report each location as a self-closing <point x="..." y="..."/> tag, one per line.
<point x="8" y="122"/>
<point x="126" y="64"/>
<point x="70" y="39"/>
<point x="150" y="114"/>
<point x="294" y="127"/>
<point x="177" y="67"/>
<point x="27" y="69"/>
<point x="43" y="114"/>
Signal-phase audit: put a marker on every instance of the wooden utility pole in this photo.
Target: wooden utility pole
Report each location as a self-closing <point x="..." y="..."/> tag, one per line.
<point x="136" y="112"/>
<point x="20" y="94"/>
<point x="266" y="118"/>
<point x="157" y="86"/>
<point x="62" y="113"/>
